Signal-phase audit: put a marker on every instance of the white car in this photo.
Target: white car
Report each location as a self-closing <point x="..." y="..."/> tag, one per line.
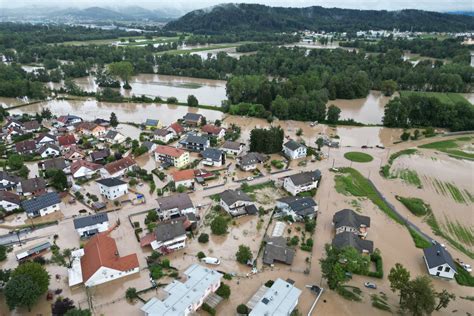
<point x="249" y="178"/>
<point x="211" y="260"/>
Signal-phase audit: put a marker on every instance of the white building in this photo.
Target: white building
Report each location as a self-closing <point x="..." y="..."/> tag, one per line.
<point x="99" y="262"/>
<point x="42" y="205"/>
<point x="279" y="300"/>
<point x="185" y="298"/>
<point x="167" y="237"/>
<point x="112" y="188"/>
<point x="250" y="161"/>
<point x="9" y="201"/>
<point x="87" y="226"/>
<point x="439" y="262"/>
<point x="294" y="150"/>
<point x="299" y="208"/>
<point x="302" y="182"/>
<point x="184" y="178"/>
<point x="213" y="157"/>
<point x="235" y="202"/>
<point x="163" y="135"/>
<point x="118" y="168"/>
<point x="114" y="137"/>
<point x="49" y="150"/>
<point x="84" y="169"/>
<point x="174" y="206"/>
<point x="232" y="148"/>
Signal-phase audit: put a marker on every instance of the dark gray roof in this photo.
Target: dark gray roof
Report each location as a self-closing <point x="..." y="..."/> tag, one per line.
<point x="84" y="221"/>
<point x="277" y="250"/>
<point x="194" y="139"/>
<point x="111" y="182"/>
<point x="192" y="117"/>
<point x="111" y="134"/>
<point x="252" y="158"/>
<point x="436" y="255"/>
<point x="305" y="178"/>
<point x="33" y="184"/>
<point x="232" y="145"/>
<point x="55" y="163"/>
<point x="232" y="196"/>
<point x="161" y="132"/>
<point x="100" y="154"/>
<point x="180" y="201"/>
<point x="46" y="146"/>
<point x="212" y="153"/>
<point x="10" y="178"/>
<point x="347" y="217"/>
<point x="292" y="145"/>
<point x="251" y="209"/>
<point x="9" y="197"/>
<point x="39" y="202"/>
<point x="302" y="206"/>
<point x="169" y="230"/>
<point x="348" y="239"/>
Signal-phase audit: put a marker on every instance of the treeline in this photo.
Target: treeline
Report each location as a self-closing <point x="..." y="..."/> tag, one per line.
<point x="267" y="141"/>
<point x="15" y="82"/>
<point x="277" y="38"/>
<point x="424" y="111"/>
<point x="449" y="48"/>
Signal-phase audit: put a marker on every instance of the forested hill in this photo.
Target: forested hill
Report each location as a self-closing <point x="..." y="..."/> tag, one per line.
<point x="260" y="18"/>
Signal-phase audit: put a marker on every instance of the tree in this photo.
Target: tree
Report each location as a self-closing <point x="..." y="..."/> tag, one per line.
<point x="15" y="162"/>
<point x="444" y="298"/>
<point x="405" y="136"/>
<point x="113" y="120"/>
<point x="320" y="143"/>
<point x="389" y="87"/>
<point x="123" y="70"/>
<point x="21" y="291"/>
<point x="36" y="272"/>
<point x="151" y="217"/>
<point x="78" y="312"/>
<point x="419" y="297"/>
<point x="3" y="253"/>
<point x="333" y="114"/>
<point x="331" y="268"/>
<point x="192" y="101"/>
<point x="299" y="132"/>
<point x="23" y="172"/>
<point x="244" y="254"/>
<point x="61" y="306"/>
<point x="131" y="294"/>
<point x="46" y="113"/>
<point x="219" y="225"/>
<point x="201" y="255"/>
<point x="267" y="141"/>
<point x="58" y="179"/>
<point x="242" y="309"/>
<point x="398" y="277"/>
<point x="223" y="291"/>
<point x="203" y="238"/>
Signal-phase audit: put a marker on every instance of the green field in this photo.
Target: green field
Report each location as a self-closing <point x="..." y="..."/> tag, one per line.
<point x="451" y="147"/>
<point x="444" y="97"/>
<point x="357" y="156"/>
<point x="118" y="39"/>
<point x="409" y="176"/>
<point x="415" y="205"/>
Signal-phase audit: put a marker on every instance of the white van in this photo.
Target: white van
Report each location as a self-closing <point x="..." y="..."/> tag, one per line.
<point x="211" y="260"/>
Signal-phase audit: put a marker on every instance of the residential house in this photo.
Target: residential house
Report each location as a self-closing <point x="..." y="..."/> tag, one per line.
<point x="176" y="129"/>
<point x="31" y="126"/>
<point x="185" y="298"/>
<point x="193" y="119"/>
<point x="152" y="124"/>
<point x="112" y="188"/>
<point x="66" y="120"/>
<point x="33" y="251"/>
<point x="195" y="143"/>
<point x="168" y="236"/>
<point x="41" y="205"/>
<point x="33" y="186"/>
<point x="251" y="160"/>
<point x="232" y="148"/>
<point x="74" y="153"/>
<point x="280" y="299"/>
<point x="114" y="137"/>
<point x="213" y="157"/>
<point x="235" y="202"/>
<point x="184" y="178"/>
<point x="214" y="131"/>
<point x="54" y="163"/>
<point x="302" y="182"/>
<point x="347" y="220"/>
<point x="174" y="206"/>
<point x="13" y="132"/>
<point x="9" y="201"/>
<point x="294" y="150"/>
<point x="276" y="249"/>
<point x="163" y="135"/>
<point x="89" y="128"/>
<point x="66" y="141"/>
<point x="49" y="150"/>
<point x="439" y="262"/>
<point x="172" y="156"/>
<point x="299" y="208"/>
<point x="45" y="138"/>
<point x="26" y="147"/>
<point x="118" y="168"/>
<point x="13" y="123"/>
<point x="8" y="181"/>
<point x="88" y="226"/>
<point x="99" y="262"/>
<point x="100" y="155"/>
<point x="151" y="146"/>
<point x="349" y="239"/>
<point x="84" y="169"/>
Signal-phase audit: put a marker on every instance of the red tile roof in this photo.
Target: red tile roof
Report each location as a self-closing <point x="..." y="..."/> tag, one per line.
<point x="66" y="140"/>
<point x="177" y="128"/>
<point x="101" y="251"/>
<point x="119" y="165"/>
<point x="169" y="151"/>
<point x="182" y="175"/>
<point x="212" y="129"/>
<point x="76" y="165"/>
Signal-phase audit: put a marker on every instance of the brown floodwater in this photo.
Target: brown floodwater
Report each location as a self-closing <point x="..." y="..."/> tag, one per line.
<point x="126" y="112"/>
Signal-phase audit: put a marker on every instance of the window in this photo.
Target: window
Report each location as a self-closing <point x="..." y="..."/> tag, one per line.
<point x="447" y="269"/>
<point x="440" y="268"/>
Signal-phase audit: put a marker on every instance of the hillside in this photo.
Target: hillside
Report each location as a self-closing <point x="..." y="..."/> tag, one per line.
<point x="254" y="17"/>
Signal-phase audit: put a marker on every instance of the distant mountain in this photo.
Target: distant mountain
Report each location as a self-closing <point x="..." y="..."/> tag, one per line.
<point x="469" y="13"/>
<point x="254" y="17"/>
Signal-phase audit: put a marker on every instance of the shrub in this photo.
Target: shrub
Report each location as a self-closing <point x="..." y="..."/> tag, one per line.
<point x="201" y="255"/>
<point x="377" y="258"/>
<point x="223" y="291"/>
<point x="219" y="225"/>
<point x="227" y="276"/>
<point x="203" y="238"/>
<point x="244" y="254"/>
<point x="165" y="263"/>
<point x="156" y="271"/>
<point x="242" y="309"/>
<point x="131" y="294"/>
<point x="269" y="283"/>
<point x="208" y="309"/>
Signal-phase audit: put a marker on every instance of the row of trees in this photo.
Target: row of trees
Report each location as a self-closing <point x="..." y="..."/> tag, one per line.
<point x="267" y="141"/>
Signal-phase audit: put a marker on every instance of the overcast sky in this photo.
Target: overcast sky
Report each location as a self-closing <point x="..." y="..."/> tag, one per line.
<point x="187" y="5"/>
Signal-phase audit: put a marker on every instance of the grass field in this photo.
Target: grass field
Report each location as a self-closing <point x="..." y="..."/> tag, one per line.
<point x="451" y="147"/>
<point x="357" y="156"/>
<point x="415" y="205"/>
<point x="444" y="97"/>
<point x="410" y="177"/>
<point x="451" y="190"/>
<point x="385" y="170"/>
<point x="202" y="49"/>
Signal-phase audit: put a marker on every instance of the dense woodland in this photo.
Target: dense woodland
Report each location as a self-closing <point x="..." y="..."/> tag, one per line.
<point x="234" y="18"/>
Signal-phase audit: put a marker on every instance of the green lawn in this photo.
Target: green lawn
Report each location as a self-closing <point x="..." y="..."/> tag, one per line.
<point x="444" y="97"/>
<point x="357" y="156"/>
<point x="410" y="177"/>
<point x="415" y="205"/>
<point x="451" y="147"/>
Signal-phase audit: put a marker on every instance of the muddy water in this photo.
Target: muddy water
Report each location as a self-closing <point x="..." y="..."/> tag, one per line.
<point x="128" y="112"/>
<point x="7" y="102"/>
<point x="369" y="110"/>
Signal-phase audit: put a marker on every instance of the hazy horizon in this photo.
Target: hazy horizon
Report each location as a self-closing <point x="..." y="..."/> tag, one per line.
<point x="185" y="6"/>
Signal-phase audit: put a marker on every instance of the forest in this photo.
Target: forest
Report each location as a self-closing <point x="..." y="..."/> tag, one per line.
<point x="235" y="18"/>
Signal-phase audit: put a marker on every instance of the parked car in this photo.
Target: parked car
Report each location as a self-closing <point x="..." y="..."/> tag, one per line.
<point x="465" y="266"/>
<point x="211" y="260"/>
<point x="370" y="285"/>
<point x="249" y="178"/>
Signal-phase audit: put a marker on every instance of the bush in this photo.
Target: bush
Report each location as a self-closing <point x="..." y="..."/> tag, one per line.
<point x="347" y="294"/>
<point x="131" y="294"/>
<point x="203" y="238"/>
<point x="415" y="205"/>
<point x="377" y="258"/>
<point x="223" y="291"/>
<point x="227" y="276"/>
<point x="165" y="263"/>
<point x="244" y="254"/>
<point x="201" y="255"/>
<point x="208" y="309"/>
<point x="242" y="309"/>
<point x="219" y="225"/>
<point x="156" y="272"/>
<point x="269" y="283"/>
<point x="3" y="253"/>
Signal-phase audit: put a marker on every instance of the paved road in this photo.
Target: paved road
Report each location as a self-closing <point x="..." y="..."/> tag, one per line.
<point x="12" y="238"/>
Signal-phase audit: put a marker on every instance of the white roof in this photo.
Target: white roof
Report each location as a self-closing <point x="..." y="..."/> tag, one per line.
<point x="278" y="229"/>
<point x="280" y="299"/>
<point x="183" y="295"/>
<point x="75" y="272"/>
